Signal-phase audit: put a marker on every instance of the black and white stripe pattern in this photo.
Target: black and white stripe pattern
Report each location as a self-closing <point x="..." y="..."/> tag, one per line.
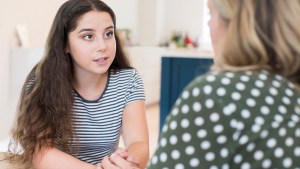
<point x="97" y="123"/>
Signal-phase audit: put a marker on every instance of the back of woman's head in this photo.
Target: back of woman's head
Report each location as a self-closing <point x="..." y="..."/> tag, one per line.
<point x="261" y="34"/>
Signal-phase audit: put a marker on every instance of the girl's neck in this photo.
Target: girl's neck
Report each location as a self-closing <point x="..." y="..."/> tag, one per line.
<point x="90" y="87"/>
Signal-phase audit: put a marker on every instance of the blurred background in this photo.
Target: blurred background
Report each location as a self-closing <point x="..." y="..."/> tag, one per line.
<point x="149" y="29"/>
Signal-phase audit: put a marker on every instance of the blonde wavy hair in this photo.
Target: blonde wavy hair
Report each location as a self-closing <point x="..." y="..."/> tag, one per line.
<point x="261" y="34"/>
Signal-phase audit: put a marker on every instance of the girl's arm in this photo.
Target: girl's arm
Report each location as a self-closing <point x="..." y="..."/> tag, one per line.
<point x="135" y="131"/>
<point x="52" y="158"/>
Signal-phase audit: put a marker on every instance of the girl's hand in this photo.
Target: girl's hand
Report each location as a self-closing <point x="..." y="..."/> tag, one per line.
<point x="120" y="160"/>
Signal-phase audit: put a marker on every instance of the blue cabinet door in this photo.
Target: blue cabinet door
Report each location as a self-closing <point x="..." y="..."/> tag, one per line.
<point x="176" y="73"/>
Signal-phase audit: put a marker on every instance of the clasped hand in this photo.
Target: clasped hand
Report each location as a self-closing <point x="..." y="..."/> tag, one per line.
<point x="119" y="160"/>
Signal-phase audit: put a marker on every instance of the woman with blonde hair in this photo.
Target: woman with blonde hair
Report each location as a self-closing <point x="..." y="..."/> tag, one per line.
<point x="245" y="112"/>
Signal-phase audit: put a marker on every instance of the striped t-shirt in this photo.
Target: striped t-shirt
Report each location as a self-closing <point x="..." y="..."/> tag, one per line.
<point x="97" y="124"/>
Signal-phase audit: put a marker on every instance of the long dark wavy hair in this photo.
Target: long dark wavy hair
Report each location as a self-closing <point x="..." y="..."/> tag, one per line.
<point x="46" y="102"/>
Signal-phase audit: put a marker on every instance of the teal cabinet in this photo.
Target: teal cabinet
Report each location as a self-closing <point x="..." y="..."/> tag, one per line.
<point x="176" y="73"/>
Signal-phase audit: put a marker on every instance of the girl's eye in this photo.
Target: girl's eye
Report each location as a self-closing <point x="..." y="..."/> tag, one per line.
<point x="88" y="37"/>
<point x="108" y="34"/>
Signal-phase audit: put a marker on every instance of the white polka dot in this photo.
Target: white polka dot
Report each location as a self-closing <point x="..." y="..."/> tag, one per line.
<point x="265" y="110"/>
<point x="196" y="92"/>
<point x="237" y="159"/>
<point x="264" y="134"/>
<point x="291" y="124"/>
<point x="199" y="121"/>
<point x="229" y="74"/>
<point x="221" y="139"/>
<point x="295" y="118"/>
<point x="271" y="143"/>
<point x="266" y="163"/>
<point x="185" y="94"/>
<point x="276" y="83"/>
<point x="201" y="133"/>
<point x="186" y="137"/>
<point x="278" y="118"/>
<point x="259" y="120"/>
<point x="189" y="150"/>
<point x="209" y="103"/>
<point x="282" y="132"/>
<point x="236" y="96"/>
<point x="286" y="100"/>
<point x="255" y="128"/>
<point x="213" y="167"/>
<point x="184" y="123"/>
<point x="291" y="85"/>
<point x="175" y="154"/>
<point x="289" y="142"/>
<point x="173" y="125"/>
<point x="269" y="100"/>
<point x="297" y="110"/>
<point x="154" y="159"/>
<point x="225" y="166"/>
<point x="297" y="132"/>
<point x="250" y="102"/>
<point x="233" y="123"/>
<point x="259" y="83"/>
<point x="250" y="147"/>
<point x="224" y="152"/>
<point x="165" y="128"/>
<point x="287" y="162"/>
<point x="275" y="124"/>
<point x="175" y="111"/>
<point x="244" y="139"/>
<point x="297" y="151"/>
<point x="210" y="78"/>
<point x="245" y="113"/>
<point x="240" y="125"/>
<point x="246" y="165"/>
<point x="229" y="109"/>
<point x="210" y="156"/>
<point x="221" y="91"/>
<point x="236" y="135"/>
<point x="173" y="139"/>
<point x="282" y="109"/>
<point x="255" y="92"/>
<point x="205" y="145"/>
<point x="273" y="91"/>
<point x="225" y="81"/>
<point x="196" y="106"/>
<point x="163" y="142"/>
<point x="289" y="92"/>
<point x="214" y="117"/>
<point x="178" y="101"/>
<point x="185" y="109"/>
<point x="194" y="162"/>
<point x="179" y="166"/>
<point x="207" y="89"/>
<point x="278" y="152"/>
<point x="218" y="128"/>
<point x="278" y="77"/>
<point x="262" y="76"/>
<point x="245" y="78"/>
<point x="258" y="155"/>
<point x="163" y="157"/>
<point x="240" y="86"/>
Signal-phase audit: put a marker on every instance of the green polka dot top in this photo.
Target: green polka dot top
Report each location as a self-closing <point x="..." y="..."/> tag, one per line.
<point x="232" y="120"/>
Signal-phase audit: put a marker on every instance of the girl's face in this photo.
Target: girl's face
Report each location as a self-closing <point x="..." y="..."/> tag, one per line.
<point x="218" y="29"/>
<point x="92" y="44"/>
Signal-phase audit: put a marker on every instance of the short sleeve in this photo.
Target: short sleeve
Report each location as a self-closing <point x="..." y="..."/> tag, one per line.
<point x="135" y="88"/>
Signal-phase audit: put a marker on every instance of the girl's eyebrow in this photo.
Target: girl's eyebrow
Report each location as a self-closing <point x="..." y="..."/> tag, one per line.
<point x="89" y="29"/>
